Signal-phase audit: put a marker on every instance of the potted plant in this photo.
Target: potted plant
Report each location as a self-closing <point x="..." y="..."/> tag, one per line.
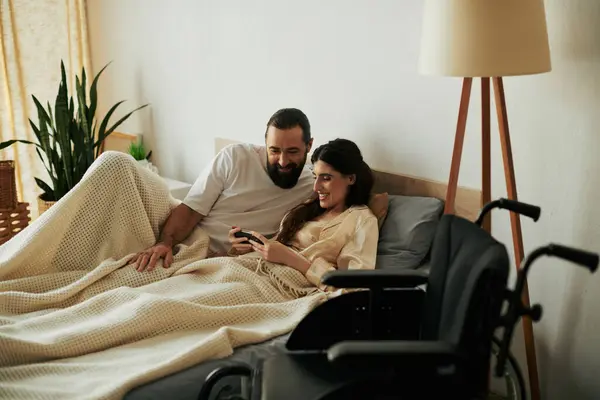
<point x="138" y="152"/>
<point x="69" y="137"/>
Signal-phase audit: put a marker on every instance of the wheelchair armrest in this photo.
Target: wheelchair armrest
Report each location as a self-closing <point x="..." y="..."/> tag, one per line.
<point x="375" y="279"/>
<point x="369" y="354"/>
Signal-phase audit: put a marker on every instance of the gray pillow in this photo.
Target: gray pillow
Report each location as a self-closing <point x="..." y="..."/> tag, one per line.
<point x="408" y="230"/>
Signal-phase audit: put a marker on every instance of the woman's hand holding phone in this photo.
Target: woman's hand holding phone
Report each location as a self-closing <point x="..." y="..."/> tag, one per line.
<point x="245" y="242"/>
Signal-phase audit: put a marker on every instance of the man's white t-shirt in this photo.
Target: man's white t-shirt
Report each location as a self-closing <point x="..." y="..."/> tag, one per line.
<point x="236" y="190"/>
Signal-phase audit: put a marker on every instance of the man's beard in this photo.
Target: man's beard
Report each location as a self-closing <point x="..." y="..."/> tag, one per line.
<point x="285" y="180"/>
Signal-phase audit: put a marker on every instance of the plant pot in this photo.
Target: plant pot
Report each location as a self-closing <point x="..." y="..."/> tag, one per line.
<point x="43" y="205"/>
<point x="148" y="165"/>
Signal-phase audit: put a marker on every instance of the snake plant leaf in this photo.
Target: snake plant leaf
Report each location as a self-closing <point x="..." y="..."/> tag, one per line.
<point x="53" y="136"/>
<point x="44" y="120"/>
<point x="50" y="113"/>
<point x="56" y="163"/>
<point x="78" y="140"/>
<point x="8" y="143"/>
<point x="103" y="135"/>
<point x="84" y="150"/>
<point x="119" y="122"/>
<point x="74" y="128"/>
<point x="36" y="131"/>
<point x="94" y="93"/>
<point x="47" y="167"/>
<point x="48" y="192"/>
<point x="53" y="155"/>
<point x="94" y="129"/>
<point x="103" y="124"/>
<point x="61" y="110"/>
<point x="42" y="114"/>
<point x="83" y="84"/>
<point x="71" y="108"/>
<point x="42" y="136"/>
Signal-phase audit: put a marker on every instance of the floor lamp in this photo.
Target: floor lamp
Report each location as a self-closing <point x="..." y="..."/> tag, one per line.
<point x="489" y="40"/>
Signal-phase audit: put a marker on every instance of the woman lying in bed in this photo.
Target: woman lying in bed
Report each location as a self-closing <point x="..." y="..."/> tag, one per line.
<point x="68" y="309"/>
<point x="306" y="240"/>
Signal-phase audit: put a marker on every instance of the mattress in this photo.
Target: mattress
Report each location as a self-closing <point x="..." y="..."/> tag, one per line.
<point x="186" y="384"/>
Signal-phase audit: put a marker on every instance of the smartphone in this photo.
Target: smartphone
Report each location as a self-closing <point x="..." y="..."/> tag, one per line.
<point x="247" y="235"/>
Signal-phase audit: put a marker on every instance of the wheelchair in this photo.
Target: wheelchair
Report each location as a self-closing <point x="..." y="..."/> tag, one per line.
<point x="408" y="334"/>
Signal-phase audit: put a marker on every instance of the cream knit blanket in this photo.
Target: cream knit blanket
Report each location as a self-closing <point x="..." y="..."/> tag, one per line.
<point x="76" y="323"/>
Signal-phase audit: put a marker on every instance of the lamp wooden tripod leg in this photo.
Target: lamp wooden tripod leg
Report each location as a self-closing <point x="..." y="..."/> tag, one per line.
<point x="511" y="188"/>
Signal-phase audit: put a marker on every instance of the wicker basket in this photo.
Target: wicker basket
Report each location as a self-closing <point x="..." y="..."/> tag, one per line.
<point x="13" y="221"/>
<point x="8" y="185"/>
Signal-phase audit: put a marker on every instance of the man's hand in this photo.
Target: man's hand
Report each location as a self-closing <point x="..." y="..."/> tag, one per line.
<point x="276" y="252"/>
<point x="241" y="245"/>
<point x="147" y="259"/>
<point x="178" y="226"/>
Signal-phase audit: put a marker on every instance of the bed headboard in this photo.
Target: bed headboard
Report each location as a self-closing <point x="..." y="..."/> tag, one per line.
<point x="118" y="141"/>
<point x="468" y="200"/>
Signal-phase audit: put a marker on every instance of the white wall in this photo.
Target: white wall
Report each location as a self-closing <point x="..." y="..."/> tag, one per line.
<point x="221" y="68"/>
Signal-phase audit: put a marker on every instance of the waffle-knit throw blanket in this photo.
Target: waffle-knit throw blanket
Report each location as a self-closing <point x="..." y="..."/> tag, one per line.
<point x="76" y="323"/>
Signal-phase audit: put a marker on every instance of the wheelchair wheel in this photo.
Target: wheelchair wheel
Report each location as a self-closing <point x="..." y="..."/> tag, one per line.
<point x="513" y="378"/>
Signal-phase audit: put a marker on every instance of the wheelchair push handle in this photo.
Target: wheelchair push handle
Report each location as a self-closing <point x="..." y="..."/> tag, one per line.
<point x="528" y="210"/>
<point x="580" y="257"/>
<point x="516" y="309"/>
<point x="584" y="258"/>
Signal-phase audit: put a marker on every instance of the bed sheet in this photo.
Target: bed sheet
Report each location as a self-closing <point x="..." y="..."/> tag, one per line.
<point x="186" y="384"/>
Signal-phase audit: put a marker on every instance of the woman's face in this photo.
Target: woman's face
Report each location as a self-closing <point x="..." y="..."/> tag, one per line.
<point x="331" y="186"/>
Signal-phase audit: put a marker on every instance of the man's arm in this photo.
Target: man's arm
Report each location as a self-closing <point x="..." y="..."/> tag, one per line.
<point x="179" y="225"/>
<point x="183" y="218"/>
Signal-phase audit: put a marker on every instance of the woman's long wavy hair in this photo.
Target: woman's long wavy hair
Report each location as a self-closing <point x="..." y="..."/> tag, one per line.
<point x="345" y="157"/>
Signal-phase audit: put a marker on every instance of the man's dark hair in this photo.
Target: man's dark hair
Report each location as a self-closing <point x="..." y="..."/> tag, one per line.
<point x="288" y="118"/>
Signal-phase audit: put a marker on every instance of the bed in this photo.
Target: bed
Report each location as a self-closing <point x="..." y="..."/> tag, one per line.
<point x="415" y="205"/>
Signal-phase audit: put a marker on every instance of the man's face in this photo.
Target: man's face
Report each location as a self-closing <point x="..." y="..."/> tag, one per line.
<point x="286" y="155"/>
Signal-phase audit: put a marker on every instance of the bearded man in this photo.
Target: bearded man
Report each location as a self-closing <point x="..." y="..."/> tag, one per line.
<point x="245" y="185"/>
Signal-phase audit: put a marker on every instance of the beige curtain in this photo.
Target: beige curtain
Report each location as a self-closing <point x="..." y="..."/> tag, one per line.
<point x="35" y="36"/>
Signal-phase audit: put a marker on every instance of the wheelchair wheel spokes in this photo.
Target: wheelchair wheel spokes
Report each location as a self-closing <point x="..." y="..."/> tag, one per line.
<point x="513" y="377"/>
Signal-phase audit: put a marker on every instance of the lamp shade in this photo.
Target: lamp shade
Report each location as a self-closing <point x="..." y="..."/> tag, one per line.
<point x="484" y="38"/>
